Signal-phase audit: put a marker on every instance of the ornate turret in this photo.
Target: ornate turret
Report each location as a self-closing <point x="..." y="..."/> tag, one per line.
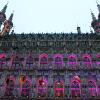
<point x="8" y="24"/>
<point x="4" y="8"/>
<point x="2" y="14"/>
<point x="95" y="23"/>
<point x="98" y="5"/>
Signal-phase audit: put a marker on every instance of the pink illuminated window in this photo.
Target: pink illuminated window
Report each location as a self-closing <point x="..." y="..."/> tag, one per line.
<point x="43" y="59"/>
<point x="42" y="87"/>
<point x="25" y="85"/>
<point x="15" y="61"/>
<point x="93" y="90"/>
<point x="2" y="59"/>
<point x="59" y="89"/>
<point x="98" y="59"/>
<point x="29" y="61"/>
<point x="72" y="60"/>
<point x="87" y="60"/>
<point x="25" y="88"/>
<point x="58" y="59"/>
<point x="76" y="86"/>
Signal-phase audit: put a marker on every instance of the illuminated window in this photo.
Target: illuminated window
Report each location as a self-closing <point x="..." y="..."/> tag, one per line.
<point x="58" y="60"/>
<point x="29" y="61"/>
<point x="72" y="60"/>
<point x="42" y="87"/>
<point x="9" y="86"/>
<point x="92" y="88"/>
<point x="87" y="60"/>
<point x="43" y="58"/>
<point x="76" y="86"/>
<point x="59" y="89"/>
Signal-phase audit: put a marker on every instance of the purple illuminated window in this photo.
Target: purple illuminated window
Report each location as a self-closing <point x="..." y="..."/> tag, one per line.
<point x="75" y="88"/>
<point x="87" y="60"/>
<point x="58" y="59"/>
<point x="72" y="60"/>
<point x="98" y="59"/>
<point x="42" y="87"/>
<point x="43" y="59"/>
<point x="93" y="90"/>
<point x="59" y="89"/>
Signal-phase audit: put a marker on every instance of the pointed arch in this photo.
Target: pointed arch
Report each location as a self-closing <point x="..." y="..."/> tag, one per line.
<point x="25" y="85"/>
<point x="59" y="89"/>
<point x="92" y="87"/>
<point x="15" y="61"/>
<point x="42" y="87"/>
<point x="75" y="86"/>
<point x="87" y="59"/>
<point x="72" y="60"/>
<point x="29" y="61"/>
<point x="98" y="59"/>
<point x="9" y="84"/>
<point x="43" y="59"/>
<point x="58" y="60"/>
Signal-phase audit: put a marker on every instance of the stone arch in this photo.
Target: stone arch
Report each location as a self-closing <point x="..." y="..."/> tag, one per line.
<point x="43" y="59"/>
<point x="72" y="60"/>
<point x="58" y="60"/>
<point x="98" y="59"/>
<point x="87" y="60"/>
<point x="75" y="87"/>
<point x="42" y="87"/>
<point x="15" y="60"/>
<point x="92" y="87"/>
<point x="59" y="89"/>
<point x="25" y="85"/>
<point x="29" y="61"/>
<point x="9" y="84"/>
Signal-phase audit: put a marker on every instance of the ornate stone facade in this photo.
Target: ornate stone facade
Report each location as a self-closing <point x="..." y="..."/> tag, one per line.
<point x="50" y="66"/>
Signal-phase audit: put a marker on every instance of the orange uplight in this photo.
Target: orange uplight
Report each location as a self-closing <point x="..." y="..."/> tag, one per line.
<point x="22" y="79"/>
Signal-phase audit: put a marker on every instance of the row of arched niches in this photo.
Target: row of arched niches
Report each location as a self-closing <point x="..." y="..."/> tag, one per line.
<point x="41" y="83"/>
<point x="49" y="60"/>
<point x="43" y="87"/>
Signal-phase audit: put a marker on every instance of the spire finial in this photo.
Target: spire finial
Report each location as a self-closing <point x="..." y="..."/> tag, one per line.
<point x="11" y="16"/>
<point x="4" y="8"/>
<point x="98" y="5"/>
<point x="93" y="16"/>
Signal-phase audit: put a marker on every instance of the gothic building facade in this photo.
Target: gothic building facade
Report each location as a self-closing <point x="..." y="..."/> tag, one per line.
<point x="49" y="66"/>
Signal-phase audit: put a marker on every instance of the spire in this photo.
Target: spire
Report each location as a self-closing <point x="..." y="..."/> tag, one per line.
<point x="78" y="30"/>
<point x="4" y="8"/>
<point x="98" y="5"/>
<point x="93" y="16"/>
<point x="91" y="30"/>
<point x="11" y="16"/>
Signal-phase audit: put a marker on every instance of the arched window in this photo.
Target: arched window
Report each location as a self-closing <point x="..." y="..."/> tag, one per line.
<point x="87" y="60"/>
<point x="59" y="89"/>
<point x="25" y="85"/>
<point x="58" y="60"/>
<point x="98" y="59"/>
<point x="42" y="87"/>
<point x="92" y="86"/>
<point x="29" y="61"/>
<point x="9" y="85"/>
<point x="75" y="86"/>
<point x="15" y="61"/>
<point x="43" y="59"/>
<point x="72" y="60"/>
<point x="2" y="59"/>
